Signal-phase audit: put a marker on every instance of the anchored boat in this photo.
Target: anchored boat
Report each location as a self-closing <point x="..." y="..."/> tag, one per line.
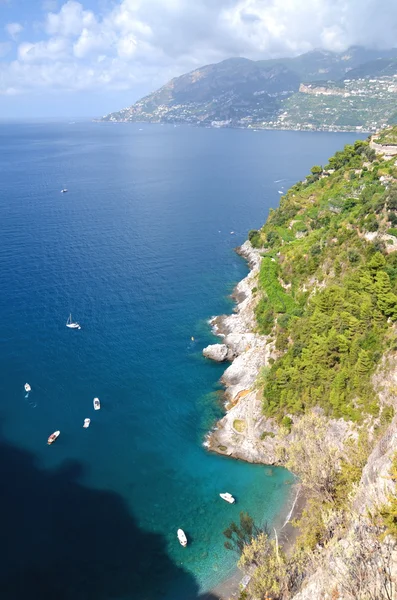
<point x="86" y="423"/>
<point x="182" y="537"/>
<point x="228" y="498"/>
<point x="72" y="324"/>
<point x="97" y="404"/>
<point x="53" y="437"/>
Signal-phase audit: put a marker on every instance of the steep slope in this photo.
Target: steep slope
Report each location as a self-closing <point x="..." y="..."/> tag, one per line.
<point x="323" y="290"/>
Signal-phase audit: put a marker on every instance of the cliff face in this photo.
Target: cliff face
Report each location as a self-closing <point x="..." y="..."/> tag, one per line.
<point x="245" y="432"/>
<point x="314" y="331"/>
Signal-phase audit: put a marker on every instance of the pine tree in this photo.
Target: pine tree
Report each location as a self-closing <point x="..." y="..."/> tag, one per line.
<point x="363" y="365"/>
<point x="377" y="262"/>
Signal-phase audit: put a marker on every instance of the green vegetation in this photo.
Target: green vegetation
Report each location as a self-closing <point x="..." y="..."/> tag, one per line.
<point x="239" y="425"/>
<point x="239" y="535"/>
<point x="328" y="299"/>
<point x="329" y="293"/>
<point x="254" y="238"/>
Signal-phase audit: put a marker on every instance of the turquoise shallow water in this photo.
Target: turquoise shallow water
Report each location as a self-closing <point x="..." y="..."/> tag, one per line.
<point x="140" y="251"/>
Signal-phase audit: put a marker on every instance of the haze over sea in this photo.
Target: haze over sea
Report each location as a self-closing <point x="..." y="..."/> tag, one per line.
<point x="140" y="252"/>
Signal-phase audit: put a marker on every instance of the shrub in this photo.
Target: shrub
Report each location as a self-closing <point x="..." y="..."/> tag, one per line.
<point x="287" y="422"/>
<point x="255" y="238"/>
<point x="267" y="434"/>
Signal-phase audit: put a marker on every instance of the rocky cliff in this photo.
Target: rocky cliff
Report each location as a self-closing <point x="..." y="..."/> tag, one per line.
<point x="319" y="308"/>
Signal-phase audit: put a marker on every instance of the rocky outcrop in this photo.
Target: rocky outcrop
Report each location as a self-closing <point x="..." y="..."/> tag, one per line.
<point x="217" y="352"/>
<point x="244" y="432"/>
<point x="238" y="434"/>
<point x="383" y="150"/>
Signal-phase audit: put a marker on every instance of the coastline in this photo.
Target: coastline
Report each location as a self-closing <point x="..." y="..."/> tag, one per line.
<point x="247" y="351"/>
<point x="229" y="588"/>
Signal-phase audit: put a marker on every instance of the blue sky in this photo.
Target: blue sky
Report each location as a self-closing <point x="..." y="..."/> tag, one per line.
<point x="69" y="58"/>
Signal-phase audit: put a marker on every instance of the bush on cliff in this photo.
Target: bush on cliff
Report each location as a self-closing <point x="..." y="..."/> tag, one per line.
<point x="254" y="237"/>
<point x="336" y="289"/>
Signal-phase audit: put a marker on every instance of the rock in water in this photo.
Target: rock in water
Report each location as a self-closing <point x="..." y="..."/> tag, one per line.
<point x="216" y="352"/>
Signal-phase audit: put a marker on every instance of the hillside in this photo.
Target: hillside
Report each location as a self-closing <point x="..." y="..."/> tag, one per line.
<point x="353" y="89"/>
<point x="318" y="326"/>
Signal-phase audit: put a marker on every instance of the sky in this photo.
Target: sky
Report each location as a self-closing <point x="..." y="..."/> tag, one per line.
<point x="87" y="58"/>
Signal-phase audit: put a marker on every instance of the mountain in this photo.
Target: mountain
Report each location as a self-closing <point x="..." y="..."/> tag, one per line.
<point x="226" y="90"/>
<point x="273" y="93"/>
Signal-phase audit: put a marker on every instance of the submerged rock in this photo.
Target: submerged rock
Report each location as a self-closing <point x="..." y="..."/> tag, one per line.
<point x="218" y="352"/>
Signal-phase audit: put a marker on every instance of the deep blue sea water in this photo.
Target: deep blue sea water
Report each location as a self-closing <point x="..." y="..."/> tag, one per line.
<point x="140" y="251"/>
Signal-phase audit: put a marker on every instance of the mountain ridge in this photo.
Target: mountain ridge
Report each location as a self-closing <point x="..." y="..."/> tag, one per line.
<point x="240" y="92"/>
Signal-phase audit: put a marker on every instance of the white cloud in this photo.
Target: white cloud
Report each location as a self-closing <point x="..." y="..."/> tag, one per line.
<point x="126" y="47"/>
<point x="145" y="42"/>
<point x="13" y="30"/>
<point x="54" y="49"/>
<point x="70" y="20"/>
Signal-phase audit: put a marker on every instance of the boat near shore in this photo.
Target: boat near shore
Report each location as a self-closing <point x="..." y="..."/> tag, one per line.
<point x="53" y="437"/>
<point x="182" y="537"/>
<point x="228" y="498"/>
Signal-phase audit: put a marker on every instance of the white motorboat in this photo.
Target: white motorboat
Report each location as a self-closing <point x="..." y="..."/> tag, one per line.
<point x="27" y="387"/>
<point x="86" y="423"/>
<point x="53" y="437"/>
<point x="228" y="498"/>
<point x="97" y="404"/>
<point x="182" y="537"/>
<point x="64" y="191"/>
<point x="72" y="324"/>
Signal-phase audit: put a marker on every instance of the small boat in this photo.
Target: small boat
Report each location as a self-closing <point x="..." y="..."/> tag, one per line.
<point x="228" y="497"/>
<point x="182" y="537"/>
<point x="280" y="192"/>
<point x="232" y="232"/>
<point x="86" y="423"/>
<point x="97" y="404"/>
<point x="192" y="338"/>
<point x="72" y="324"/>
<point x="27" y="387"/>
<point x="53" y="437"/>
<point x="64" y="191"/>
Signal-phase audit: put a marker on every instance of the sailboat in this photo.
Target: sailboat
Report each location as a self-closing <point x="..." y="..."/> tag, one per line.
<point x="71" y="324"/>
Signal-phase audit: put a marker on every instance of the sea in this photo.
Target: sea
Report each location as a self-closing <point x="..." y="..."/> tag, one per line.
<point x="140" y="250"/>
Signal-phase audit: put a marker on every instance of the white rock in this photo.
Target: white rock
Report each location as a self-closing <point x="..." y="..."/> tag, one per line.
<point x="216" y="352"/>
